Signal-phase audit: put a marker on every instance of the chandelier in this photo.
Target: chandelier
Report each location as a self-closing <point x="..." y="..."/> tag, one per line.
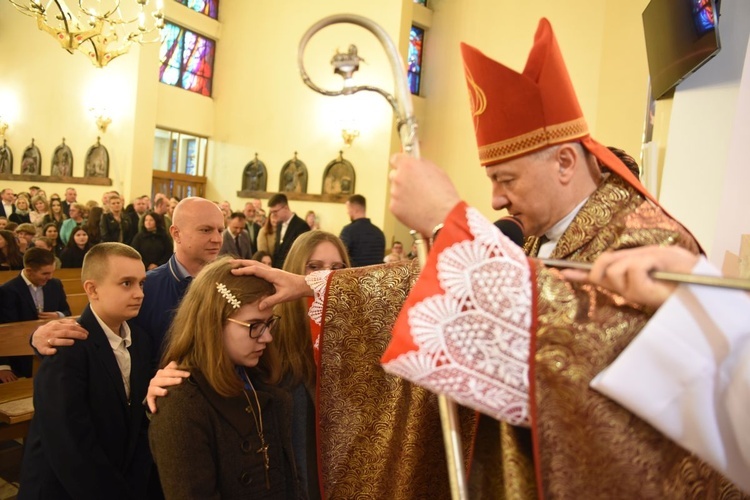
<point x="100" y="29"/>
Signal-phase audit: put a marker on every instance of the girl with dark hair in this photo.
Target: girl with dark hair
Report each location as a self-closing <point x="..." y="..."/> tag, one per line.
<point x="11" y="257"/>
<point x="152" y="241"/>
<point x="76" y="249"/>
<point x="52" y="232"/>
<point x="263" y="257"/>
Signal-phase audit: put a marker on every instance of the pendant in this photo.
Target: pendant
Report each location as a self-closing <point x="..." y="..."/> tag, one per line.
<point x="266" y="462"/>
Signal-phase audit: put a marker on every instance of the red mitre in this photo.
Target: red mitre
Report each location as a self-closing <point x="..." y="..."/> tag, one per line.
<point x="519" y="113"/>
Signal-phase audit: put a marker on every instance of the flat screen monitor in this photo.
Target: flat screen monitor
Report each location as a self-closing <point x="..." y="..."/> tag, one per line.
<point x="681" y="36"/>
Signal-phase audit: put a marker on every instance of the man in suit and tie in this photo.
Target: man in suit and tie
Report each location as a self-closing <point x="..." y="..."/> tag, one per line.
<point x="88" y="438"/>
<point x="33" y="294"/>
<point x="235" y="240"/>
<point x="252" y="227"/>
<point x="71" y="196"/>
<point x="289" y="229"/>
<point x="7" y="207"/>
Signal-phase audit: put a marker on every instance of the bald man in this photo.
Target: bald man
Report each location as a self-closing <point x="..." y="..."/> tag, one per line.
<point x="197" y="233"/>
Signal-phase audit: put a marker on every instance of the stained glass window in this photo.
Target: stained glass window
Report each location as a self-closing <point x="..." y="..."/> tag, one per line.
<point x="703" y="15"/>
<point x="209" y="8"/>
<point x="414" y="59"/>
<point x="421" y="2"/>
<point x="187" y="59"/>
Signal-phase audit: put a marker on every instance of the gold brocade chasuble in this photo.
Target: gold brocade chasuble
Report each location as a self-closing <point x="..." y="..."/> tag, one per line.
<point x="379" y="436"/>
<point x="581" y="444"/>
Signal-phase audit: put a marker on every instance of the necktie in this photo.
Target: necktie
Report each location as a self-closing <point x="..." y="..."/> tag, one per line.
<point x="237" y="244"/>
<point x="38" y="296"/>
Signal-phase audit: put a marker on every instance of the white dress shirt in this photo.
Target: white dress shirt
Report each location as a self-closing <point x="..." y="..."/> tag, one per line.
<point x="119" y="343"/>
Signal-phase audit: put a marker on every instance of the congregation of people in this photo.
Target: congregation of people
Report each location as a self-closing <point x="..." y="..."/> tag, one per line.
<point x="279" y="360"/>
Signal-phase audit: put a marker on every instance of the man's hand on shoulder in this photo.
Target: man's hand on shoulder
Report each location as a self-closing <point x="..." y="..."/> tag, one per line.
<point x="55" y="334"/>
<point x="165" y="377"/>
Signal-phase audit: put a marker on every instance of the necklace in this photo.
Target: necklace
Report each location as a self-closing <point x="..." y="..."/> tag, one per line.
<point x="258" y="419"/>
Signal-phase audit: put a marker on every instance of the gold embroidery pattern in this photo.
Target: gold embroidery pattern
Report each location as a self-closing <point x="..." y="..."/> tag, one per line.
<point x="380" y="435"/>
<point x="530" y="141"/>
<point x="590" y="446"/>
<point x="617" y="217"/>
<point x="477" y="97"/>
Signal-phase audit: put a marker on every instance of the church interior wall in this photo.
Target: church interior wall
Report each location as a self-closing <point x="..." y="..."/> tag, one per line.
<point x="260" y="104"/>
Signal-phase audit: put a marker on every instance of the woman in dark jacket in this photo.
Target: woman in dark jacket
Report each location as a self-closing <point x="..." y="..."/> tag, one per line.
<point x="152" y="241"/>
<point x="225" y="432"/>
<point x="51" y="231"/>
<point x="92" y="225"/>
<point x="115" y="225"/>
<point x="76" y="249"/>
<point x="21" y="215"/>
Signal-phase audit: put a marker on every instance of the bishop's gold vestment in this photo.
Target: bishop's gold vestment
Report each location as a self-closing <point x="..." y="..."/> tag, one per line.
<point x="571" y="442"/>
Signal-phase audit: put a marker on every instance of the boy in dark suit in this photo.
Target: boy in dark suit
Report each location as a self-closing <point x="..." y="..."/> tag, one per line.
<point x="88" y="438"/>
<point x="289" y="229"/>
<point x="33" y="294"/>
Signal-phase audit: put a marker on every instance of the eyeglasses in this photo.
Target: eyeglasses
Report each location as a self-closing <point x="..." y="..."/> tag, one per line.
<point x="274" y="211"/>
<point x="318" y="265"/>
<point x="256" y="329"/>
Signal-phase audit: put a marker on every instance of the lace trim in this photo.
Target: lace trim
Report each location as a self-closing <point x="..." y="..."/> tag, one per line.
<point x="473" y="341"/>
<point x="318" y="281"/>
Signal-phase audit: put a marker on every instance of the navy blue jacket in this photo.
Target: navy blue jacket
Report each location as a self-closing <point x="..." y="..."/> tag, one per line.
<point x="364" y="242"/>
<point x="86" y="440"/>
<point x="164" y="288"/>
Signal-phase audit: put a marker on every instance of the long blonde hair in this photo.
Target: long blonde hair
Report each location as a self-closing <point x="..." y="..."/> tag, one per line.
<point x="294" y="345"/>
<point x="195" y="339"/>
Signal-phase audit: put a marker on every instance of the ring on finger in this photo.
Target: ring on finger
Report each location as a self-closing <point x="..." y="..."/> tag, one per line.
<point x="49" y="342"/>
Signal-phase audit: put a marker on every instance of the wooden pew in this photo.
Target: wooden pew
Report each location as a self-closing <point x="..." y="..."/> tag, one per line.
<point x="65" y="275"/>
<point x="16" y="403"/>
<point x="77" y="303"/>
<point x="16" y="406"/>
<point x="14" y="339"/>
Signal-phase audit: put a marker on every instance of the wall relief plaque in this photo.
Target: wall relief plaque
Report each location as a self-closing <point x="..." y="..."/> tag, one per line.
<point x="255" y="176"/>
<point x="293" y="176"/>
<point x="339" y="176"/>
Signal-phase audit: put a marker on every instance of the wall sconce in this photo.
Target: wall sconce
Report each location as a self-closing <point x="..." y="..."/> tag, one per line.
<point x="3" y="126"/>
<point x="349" y="134"/>
<point x="102" y="118"/>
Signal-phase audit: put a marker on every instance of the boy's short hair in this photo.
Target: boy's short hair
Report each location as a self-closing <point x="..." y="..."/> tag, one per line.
<point x="95" y="263"/>
<point x="357" y="199"/>
<point x="278" y="199"/>
<point x="36" y="258"/>
<point x="47" y="241"/>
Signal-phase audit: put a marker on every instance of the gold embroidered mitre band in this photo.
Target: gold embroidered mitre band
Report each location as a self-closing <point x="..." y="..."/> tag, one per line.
<point x="518" y="113"/>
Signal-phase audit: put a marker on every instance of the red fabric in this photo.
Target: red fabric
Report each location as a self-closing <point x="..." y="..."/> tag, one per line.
<point x="315" y="334"/>
<point x="427" y="285"/>
<point x="519" y="113"/>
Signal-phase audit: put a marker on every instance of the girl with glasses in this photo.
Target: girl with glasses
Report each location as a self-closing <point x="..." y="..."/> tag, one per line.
<point x="226" y="431"/>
